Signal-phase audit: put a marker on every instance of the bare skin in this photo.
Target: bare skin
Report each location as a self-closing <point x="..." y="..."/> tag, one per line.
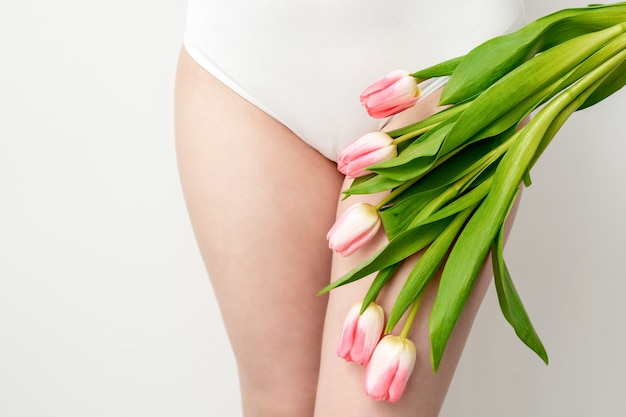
<point x="261" y="201"/>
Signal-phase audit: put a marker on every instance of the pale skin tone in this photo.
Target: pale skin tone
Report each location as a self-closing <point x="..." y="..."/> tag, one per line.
<point x="261" y="202"/>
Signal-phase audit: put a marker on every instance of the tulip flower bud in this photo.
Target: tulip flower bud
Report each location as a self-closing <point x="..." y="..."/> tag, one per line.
<point x="391" y="94"/>
<point x="389" y="368"/>
<point x="367" y="150"/>
<point x="361" y="333"/>
<point x="354" y="228"/>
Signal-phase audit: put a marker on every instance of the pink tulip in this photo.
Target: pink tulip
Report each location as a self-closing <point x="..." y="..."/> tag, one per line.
<point x="354" y="228"/>
<point x="391" y="94"/>
<point x="389" y="368"/>
<point x="365" y="151"/>
<point x="361" y="333"/>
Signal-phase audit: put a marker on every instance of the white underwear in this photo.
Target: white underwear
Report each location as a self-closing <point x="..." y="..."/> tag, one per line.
<point x="305" y="63"/>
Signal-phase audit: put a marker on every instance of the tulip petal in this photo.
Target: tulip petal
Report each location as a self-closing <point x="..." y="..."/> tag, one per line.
<point x="367" y="334"/>
<point x="353" y="229"/>
<point x="365" y="144"/>
<point x="358" y="168"/>
<point x="346" y="339"/>
<point x="383" y="83"/>
<point x="361" y="333"/>
<point x="389" y="368"/>
<point x="365" y="151"/>
<point x="393" y="93"/>
<point x="382" y="367"/>
<point x="403" y="372"/>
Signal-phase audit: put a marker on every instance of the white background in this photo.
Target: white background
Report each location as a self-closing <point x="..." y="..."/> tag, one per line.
<point x="105" y="308"/>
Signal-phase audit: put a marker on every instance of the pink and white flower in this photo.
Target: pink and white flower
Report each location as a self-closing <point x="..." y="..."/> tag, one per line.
<point x="354" y="228"/>
<point x="391" y="94"/>
<point x="361" y="333"/>
<point x="389" y="368"/>
<point x="365" y="151"/>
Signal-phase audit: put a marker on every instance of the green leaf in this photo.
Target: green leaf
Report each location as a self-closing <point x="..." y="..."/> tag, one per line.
<point x="425" y="268"/>
<point x="441" y="69"/>
<point x="399" y="216"/>
<point x="472" y="246"/>
<point x="510" y="301"/>
<point x="509" y="120"/>
<point x="607" y="67"/>
<point x="459" y="274"/>
<point x="469" y="199"/>
<point x="438" y="187"/>
<point x="526" y="80"/>
<point x="373" y="184"/>
<point x="418" y="160"/>
<point x="607" y="51"/>
<point x="613" y="83"/>
<point x="418" y="157"/>
<point x="491" y="60"/>
<point x="383" y="276"/>
<point x="459" y="165"/>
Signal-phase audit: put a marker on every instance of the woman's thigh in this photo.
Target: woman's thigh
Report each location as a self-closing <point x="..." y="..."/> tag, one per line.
<point x="340" y="390"/>
<point x="260" y="202"/>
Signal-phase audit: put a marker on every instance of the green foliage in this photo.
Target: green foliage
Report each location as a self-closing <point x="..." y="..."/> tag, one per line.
<point x="510" y="301"/>
<point x="457" y="172"/>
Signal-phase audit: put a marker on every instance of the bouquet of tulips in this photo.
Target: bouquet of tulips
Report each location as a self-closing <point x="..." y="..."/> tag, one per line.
<point x="452" y="178"/>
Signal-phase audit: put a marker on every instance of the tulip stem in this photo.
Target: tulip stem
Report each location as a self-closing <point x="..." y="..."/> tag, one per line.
<point x="395" y="193"/>
<point x="411" y="317"/>
<point x="414" y="133"/>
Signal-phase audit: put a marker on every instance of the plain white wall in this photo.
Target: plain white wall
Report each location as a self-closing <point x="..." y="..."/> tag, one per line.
<point x="105" y="308"/>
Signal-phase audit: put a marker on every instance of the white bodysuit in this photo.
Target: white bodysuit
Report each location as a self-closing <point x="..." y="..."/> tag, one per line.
<point x="305" y="63"/>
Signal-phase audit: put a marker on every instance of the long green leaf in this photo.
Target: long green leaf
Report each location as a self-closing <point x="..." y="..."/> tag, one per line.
<point x="373" y="184"/>
<point x="526" y="80"/>
<point x="399" y="216"/>
<point x="441" y="69"/>
<point x="491" y="60"/>
<point x="382" y="278"/>
<point x="405" y="206"/>
<point x="469" y="252"/>
<point x="613" y="64"/>
<point x="510" y="301"/>
<point x="612" y="84"/>
<point x="426" y="267"/>
<point x="471" y="198"/>
<point x="443" y="185"/>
